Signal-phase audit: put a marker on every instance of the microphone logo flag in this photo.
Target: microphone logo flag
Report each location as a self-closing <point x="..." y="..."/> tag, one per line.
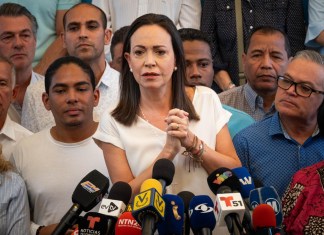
<point x="202" y="208"/>
<point x="246" y="180"/>
<point x="90" y="187"/>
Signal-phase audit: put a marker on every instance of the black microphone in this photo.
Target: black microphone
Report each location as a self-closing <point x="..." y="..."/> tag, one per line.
<point x="119" y="196"/>
<point x="86" y="195"/>
<point x="92" y="223"/>
<point x="113" y="206"/>
<point x="163" y="171"/>
<point x="186" y="197"/>
<point x="229" y="205"/>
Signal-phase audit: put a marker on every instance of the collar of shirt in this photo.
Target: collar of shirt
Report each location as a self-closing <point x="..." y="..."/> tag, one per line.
<point x="8" y="129"/>
<point x="254" y="100"/>
<point x="276" y="127"/>
<point x="108" y="73"/>
<point x="36" y="77"/>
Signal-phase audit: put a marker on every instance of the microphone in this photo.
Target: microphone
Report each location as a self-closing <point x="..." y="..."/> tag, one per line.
<point x="229" y="205"/>
<point x="119" y="196"/>
<point x="174" y="216"/>
<point x="126" y="224"/>
<point x="267" y="195"/>
<point x="163" y="171"/>
<point x="186" y="197"/>
<point x="93" y="223"/>
<point x="149" y="206"/>
<point x="86" y="195"/>
<point x="264" y="220"/>
<point x="202" y="217"/>
<point x="245" y="180"/>
<point x="247" y="184"/>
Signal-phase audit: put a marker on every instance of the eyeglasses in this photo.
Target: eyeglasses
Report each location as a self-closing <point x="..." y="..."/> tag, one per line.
<point x="300" y="88"/>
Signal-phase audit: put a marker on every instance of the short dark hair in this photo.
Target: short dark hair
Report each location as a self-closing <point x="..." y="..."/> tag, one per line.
<point x="268" y="30"/>
<point x="190" y="34"/>
<point x="128" y="105"/>
<point x="118" y="37"/>
<point x="102" y="14"/>
<point x="50" y="72"/>
<point x="14" y="10"/>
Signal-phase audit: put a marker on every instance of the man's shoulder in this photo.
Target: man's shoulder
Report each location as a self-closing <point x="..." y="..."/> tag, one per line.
<point x="232" y="95"/>
<point x="259" y="128"/>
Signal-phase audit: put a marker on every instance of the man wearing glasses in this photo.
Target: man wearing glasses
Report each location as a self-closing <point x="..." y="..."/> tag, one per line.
<point x="277" y="147"/>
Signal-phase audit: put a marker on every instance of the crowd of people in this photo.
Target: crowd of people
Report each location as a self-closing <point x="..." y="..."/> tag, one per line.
<point x="116" y="85"/>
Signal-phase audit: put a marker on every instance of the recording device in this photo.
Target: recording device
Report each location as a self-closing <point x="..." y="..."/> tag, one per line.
<point x="246" y="181"/>
<point x="163" y="171"/>
<point x="186" y="197"/>
<point x="264" y="220"/>
<point x="174" y="216"/>
<point x="92" y="223"/>
<point x="86" y="195"/>
<point x="202" y="217"/>
<point x="119" y="196"/>
<point x="126" y="224"/>
<point x="267" y="195"/>
<point x="149" y="206"/>
<point x="229" y="205"/>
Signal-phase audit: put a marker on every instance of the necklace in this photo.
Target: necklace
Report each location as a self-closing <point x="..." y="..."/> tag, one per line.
<point x="143" y="115"/>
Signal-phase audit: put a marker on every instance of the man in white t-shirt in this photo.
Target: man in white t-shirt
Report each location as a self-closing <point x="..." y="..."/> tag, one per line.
<point x="10" y="131"/>
<point x="18" y="28"/>
<point x="54" y="160"/>
<point x="84" y="36"/>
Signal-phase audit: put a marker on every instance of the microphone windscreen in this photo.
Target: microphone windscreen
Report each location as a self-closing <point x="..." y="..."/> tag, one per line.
<point x="93" y="223"/>
<point x="223" y="177"/>
<point x="126" y="224"/>
<point x="174" y="216"/>
<point x="120" y="191"/>
<point x="186" y="198"/>
<point x="163" y="169"/>
<point x="201" y="210"/>
<point x="267" y="195"/>
<point x="263" y="217"/>
<point x="245" y="180"/>
<point x="90" y="190"/>
<point x="151" y="183"/>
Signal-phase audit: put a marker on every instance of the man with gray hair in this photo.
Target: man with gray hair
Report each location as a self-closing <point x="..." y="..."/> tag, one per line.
<point x="18" y="28"/>
<point x="10" y="131"/>
<point x="278" y="146"/>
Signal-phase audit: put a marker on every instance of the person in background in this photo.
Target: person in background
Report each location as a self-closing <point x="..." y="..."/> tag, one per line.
<point x="14" y="208"/>
<point x="157" y="117"/>
<point x="274" y="149"/>
<point x="218" y="21"/>
<point x="85" y="35"/>
<point x="10" y="132"/>
<point x="266" y="57"/>
<point x="315" y="30"/>
<point x="18" y="29"/>
<point x="183" y="13"/>
<point x="303" y="200"/>
<point x="53" y="161"/>
<point x="116" y="48"/>
<point x="200" y="72"/>
<point x="49" y="15"/>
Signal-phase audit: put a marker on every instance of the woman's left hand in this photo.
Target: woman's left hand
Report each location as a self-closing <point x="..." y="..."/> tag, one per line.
<point x="178" y="126"/>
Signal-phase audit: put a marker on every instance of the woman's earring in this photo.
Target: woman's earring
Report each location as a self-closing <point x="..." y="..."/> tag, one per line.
<point x="175" y="68"/>
<point x="131" y="70"/>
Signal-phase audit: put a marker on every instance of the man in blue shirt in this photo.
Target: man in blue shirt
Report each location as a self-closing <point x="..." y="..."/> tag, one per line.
<point x="277" y="147"/>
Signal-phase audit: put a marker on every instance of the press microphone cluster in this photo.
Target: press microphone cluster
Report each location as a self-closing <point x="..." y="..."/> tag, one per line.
<point x="88" y="193"/>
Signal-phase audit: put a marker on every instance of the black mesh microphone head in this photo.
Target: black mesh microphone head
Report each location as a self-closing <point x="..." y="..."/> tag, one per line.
<point x="163" y="169"/>
<point x="186" y="197"/>
<point x="223" y="177"/>
<point x="90" y="190"/>
<point x="120" y="191"/>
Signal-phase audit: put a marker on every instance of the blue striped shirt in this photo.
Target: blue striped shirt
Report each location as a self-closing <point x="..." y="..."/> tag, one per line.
<point x="14" y="208"/>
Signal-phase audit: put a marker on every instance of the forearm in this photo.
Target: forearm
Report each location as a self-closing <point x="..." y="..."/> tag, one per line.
<point x="53" y="52"/>
<point x="320" y="38"/>
<point x="223" y="80"/>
